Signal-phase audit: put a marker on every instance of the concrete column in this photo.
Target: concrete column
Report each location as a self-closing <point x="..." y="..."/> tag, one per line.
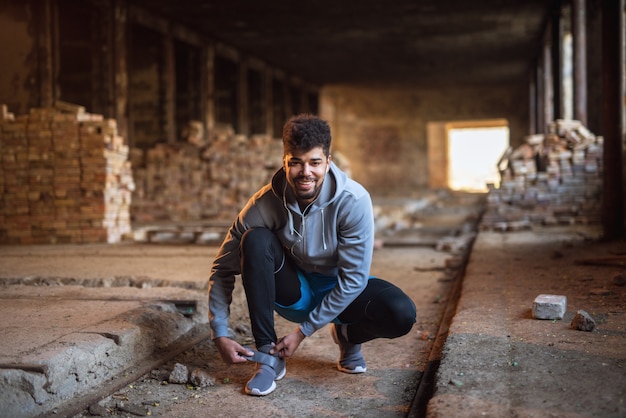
<point x="612" y="110"/>
<point x="556" y="47"/>
<point x="168" y="86"/>
<point x="539" y="98"/>
<point x="43" y="16"/>
<point x="269" y="102"/>
<point x="208" y="82"/>
<point x="243" y="101"/>
<point x="532" y="101"/>
<point x="579" y="35"/>
<point x="120" y="63"/>
<point x="437" y="152"/>
<point x="548" y="101"/>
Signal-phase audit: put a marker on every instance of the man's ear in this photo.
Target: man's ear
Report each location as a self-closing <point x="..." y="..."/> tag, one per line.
<point x="330" y="159"/>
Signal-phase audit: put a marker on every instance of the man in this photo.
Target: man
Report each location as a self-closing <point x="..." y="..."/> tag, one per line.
<point x="303" y="246"/>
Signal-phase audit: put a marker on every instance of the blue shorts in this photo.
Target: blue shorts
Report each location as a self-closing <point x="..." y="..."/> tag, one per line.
<point x="313" y="288"/>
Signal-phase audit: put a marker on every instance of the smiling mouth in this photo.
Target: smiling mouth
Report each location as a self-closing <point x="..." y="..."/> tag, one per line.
<point x="304" y="187"/>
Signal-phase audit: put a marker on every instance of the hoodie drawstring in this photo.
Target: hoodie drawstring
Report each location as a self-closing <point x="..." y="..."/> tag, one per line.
<point x="292" y="228"/>
<point x="290" y="216"/>
<point x="323" y="229"/>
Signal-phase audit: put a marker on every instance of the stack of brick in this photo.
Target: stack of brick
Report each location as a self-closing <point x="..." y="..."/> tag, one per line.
<point x="193" y="182"/>
<point x="64" y="176"/>
<point x="553" y="178"/>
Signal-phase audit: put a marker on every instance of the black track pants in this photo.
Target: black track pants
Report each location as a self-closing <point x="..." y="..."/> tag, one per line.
<point x="269" y="276"/>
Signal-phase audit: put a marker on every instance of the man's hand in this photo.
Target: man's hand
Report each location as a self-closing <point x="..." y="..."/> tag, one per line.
<point x="288" y="345"/>
<point x="231" y="351"/>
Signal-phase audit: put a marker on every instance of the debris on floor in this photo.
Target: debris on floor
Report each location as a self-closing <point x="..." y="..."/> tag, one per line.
<point x="583" y="321"/>
<point x="549" y="307"/>
<point x="551" y="179"/>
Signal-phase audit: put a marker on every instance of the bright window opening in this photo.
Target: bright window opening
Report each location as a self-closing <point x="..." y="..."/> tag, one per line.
<point x="473" y="155"/>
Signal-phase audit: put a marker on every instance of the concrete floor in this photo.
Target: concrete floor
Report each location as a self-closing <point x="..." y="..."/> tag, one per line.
<point x="74" y="317"/>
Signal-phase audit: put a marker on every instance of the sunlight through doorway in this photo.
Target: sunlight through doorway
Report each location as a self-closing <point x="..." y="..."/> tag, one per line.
<point x="473" y="154"/>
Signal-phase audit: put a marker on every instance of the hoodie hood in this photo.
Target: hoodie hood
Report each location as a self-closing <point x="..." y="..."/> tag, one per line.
<point x="334" y="183"/>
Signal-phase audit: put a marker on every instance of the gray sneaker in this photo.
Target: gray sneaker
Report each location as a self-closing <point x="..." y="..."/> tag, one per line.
<point x="350" y="357"/>
<point x="269" y="368"/>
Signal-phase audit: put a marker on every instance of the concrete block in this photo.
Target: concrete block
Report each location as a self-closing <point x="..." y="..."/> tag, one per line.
<point x="549" y="307"/>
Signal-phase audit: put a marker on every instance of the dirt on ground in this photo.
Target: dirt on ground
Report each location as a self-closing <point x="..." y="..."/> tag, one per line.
<point x="313" y="386"/>
<point x="423" y="258"/>
<point x="501" y="361"/>
<point x="498" y="360"/>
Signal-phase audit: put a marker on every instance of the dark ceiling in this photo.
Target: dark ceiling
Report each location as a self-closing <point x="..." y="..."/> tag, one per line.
<point x="374" y="41"/>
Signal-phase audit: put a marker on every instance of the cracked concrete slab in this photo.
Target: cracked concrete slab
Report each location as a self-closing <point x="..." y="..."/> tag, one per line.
<point x="59" y="342"/>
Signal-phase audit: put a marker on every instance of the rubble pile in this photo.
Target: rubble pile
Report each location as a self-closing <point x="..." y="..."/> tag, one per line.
<point x="64" y="177"/>
<point x="553" y="178"/>
<point x="196" y="181"/>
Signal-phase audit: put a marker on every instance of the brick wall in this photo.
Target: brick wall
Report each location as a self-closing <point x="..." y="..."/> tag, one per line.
<point x="553" y="178"/>
<point x="191" y="182"/>
<point x="64" y="178"/>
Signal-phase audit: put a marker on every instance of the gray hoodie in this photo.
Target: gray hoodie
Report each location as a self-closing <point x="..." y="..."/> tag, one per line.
<point x="334" y="236"/>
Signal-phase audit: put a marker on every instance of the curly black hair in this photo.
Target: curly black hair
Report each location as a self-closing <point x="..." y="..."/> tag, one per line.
<point x="304" y="132"/>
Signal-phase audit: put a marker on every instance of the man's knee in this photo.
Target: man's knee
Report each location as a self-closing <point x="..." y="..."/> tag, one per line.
<point x="408" y="317"/>
<point x="403" y="312"/>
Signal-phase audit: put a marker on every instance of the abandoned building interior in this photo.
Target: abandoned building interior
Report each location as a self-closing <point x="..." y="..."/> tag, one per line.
<point x="207" y="87"/>
<point x="121" y="119"/>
